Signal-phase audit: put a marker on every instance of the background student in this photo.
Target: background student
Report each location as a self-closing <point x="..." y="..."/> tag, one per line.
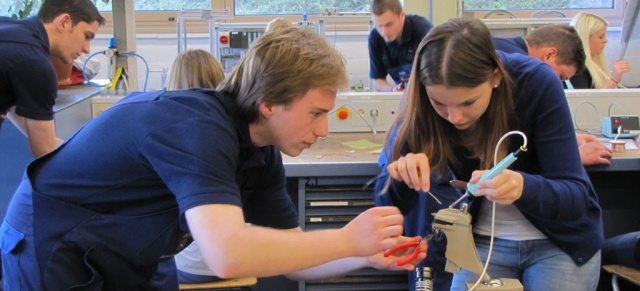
<point x="592" y="30"/>
<point x="463" y="97"/>
<point x="393" y="43"/>
<point x="62" y="30"/>
<point x="560" y="47"/>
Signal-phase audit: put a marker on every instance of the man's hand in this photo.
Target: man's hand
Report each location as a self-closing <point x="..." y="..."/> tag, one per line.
<point x="595" y="153"/>
<point x="399" y="87"/>
<point x="375" y="230"/>
<point x="592" y="150"/>
<point x="584" y="138"/>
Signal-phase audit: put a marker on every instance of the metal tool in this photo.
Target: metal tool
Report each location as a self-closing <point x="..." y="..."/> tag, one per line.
<point x="471" y="189"/>
<point x="402" y="246"/>
<point x="411" y="244"/>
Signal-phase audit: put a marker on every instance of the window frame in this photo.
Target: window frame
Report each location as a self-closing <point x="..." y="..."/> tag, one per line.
<point x="614" y="16"/>
<point x="165" y="22"/>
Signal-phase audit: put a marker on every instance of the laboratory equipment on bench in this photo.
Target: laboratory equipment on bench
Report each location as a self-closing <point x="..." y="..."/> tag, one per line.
<point x="231" y="40"/>
<point x="424" y="279"/>
<point x="621" y="126"/>
<point x="461" y="249"/>
<point x="455" y="223"/>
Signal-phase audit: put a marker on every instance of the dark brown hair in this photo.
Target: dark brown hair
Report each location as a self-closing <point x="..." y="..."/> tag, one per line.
<point x="562" y="37"/>
<point x="457" y="53"/>
<point x="379" y="7"/>
<point x="79" y="10"/>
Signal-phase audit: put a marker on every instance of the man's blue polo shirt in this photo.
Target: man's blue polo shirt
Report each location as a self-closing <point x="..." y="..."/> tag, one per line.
<point x="27" y="77"/>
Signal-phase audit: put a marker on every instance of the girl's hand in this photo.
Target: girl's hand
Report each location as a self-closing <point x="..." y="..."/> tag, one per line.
<point x="505" y="188"/>
<point x="413" y="169"/>
<point x="619" y="68"/>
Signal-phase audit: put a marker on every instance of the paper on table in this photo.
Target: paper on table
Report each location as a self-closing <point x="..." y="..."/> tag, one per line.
<point x="362" y="144"/>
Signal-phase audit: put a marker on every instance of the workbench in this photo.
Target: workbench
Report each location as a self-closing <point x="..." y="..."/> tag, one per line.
<point x="330" y="184"/>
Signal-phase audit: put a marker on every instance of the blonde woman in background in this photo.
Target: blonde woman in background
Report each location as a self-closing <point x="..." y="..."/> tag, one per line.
<point x="194" y="68"/>
<point x="592" y="30"/>
<point x="277" y="24"/>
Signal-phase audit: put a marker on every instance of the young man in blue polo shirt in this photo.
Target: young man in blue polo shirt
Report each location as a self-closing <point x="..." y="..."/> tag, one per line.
<point x="133" y="186"/>
<point x="393" y="43"/>
<point x="28" y="81"/>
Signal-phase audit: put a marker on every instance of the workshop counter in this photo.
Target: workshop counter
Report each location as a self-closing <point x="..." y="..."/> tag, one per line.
<point x="332" y="157"/>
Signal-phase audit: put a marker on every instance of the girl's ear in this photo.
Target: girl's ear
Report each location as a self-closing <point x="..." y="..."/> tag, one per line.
<point x="496" y="78"/>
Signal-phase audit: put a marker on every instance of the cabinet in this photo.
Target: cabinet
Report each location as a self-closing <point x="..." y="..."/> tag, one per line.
<point x="330" y="183"/>
<point x="331" y="202"/>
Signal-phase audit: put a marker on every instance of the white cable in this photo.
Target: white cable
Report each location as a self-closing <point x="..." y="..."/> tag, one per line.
<point x="493" y="212"/>
<point x="575" y="115"/>
<point x="619" y="131"/>
<point x="615" y="103"/>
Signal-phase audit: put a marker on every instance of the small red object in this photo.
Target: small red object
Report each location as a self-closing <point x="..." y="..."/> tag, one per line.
<point x="224" y="39"/>
<point x="415" y="244"/>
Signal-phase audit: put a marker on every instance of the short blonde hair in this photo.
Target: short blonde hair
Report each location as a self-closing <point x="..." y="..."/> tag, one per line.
<point x="194" y="68"/>
<point x="280" y="67"/>
<point x="587" y="24"/>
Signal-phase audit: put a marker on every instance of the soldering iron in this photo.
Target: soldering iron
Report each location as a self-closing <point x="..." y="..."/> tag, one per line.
<point x="497" y="169"/>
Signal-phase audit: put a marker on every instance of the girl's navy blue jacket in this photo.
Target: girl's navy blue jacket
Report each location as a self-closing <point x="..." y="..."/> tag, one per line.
<point x="557" y="197"/>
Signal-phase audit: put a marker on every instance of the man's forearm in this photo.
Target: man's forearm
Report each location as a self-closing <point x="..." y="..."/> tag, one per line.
<point x="382" y="85"/>
<point x="40" y="133"/>
<point x="331" y="269"/>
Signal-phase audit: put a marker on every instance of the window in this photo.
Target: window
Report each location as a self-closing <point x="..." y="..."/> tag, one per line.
<point x="19" y="8"/>
<point x="271" y="7"/>
<point x="610" y="9"/>
<point x="160" y="5"/>
<point x="475" y="5"/>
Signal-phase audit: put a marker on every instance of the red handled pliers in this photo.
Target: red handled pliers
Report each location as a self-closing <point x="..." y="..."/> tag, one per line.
<point x="402" y="246"/>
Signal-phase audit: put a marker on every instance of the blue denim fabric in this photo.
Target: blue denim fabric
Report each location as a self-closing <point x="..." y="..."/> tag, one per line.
<point x="622" y="250"/>
<point x="539" y="265"/>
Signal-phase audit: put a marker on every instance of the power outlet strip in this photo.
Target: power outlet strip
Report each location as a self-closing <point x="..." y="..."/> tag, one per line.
<point x="364" y="111"/>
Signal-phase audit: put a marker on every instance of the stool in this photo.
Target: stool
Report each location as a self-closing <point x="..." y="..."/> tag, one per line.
<point x="231" y="284"/>
<point x="630" y="274"/>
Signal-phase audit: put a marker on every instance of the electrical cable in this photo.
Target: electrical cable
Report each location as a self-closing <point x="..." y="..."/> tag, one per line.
<point x="611" y="105"/>
<point x="114" y="82"/>
<point x="84" y="74"/>
<point x="145" y="63"/>
<point x="575" y="116"/>
<point x="493" y="213"/>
